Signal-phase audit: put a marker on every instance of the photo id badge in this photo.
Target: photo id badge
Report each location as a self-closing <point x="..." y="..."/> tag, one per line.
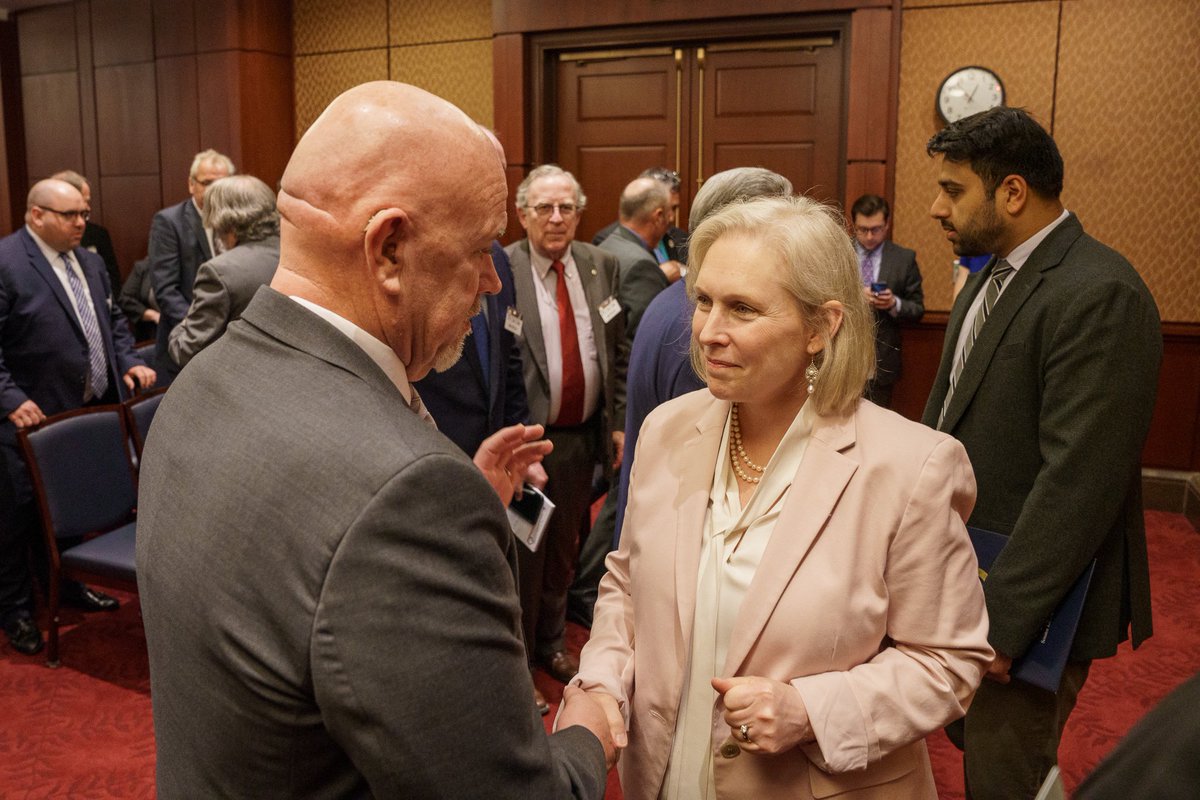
<point x="609" y="309"/>
<point x="513" y="322"/>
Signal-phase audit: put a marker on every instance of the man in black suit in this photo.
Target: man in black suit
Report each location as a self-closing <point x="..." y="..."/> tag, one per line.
<point x="892" y="284"/>
<point x="179" y="244"/>
<point x="63" y="344"/>
<point x="1047" y="377"/>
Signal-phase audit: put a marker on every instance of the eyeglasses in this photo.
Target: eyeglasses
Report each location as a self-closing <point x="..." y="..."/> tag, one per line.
<point x="205" y="183"/>
<point x="546" y="210"/>
<point x="870" y="231"/>
<point x="70" y="216"/>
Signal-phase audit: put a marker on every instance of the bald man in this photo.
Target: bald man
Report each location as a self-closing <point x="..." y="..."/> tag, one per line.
<point x="64" y="344"/>
<point x="326" y="580"/>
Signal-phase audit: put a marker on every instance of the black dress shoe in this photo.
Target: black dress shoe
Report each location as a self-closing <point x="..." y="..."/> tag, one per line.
<point x="89" y="599"/>
<point x="23" y="635"/>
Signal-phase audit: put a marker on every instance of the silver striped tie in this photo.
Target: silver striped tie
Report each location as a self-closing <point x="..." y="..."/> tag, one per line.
<point x="98" y="382"/>
<point x="996" y="281"/>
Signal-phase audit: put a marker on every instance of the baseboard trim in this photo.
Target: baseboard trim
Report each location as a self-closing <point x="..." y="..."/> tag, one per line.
<point x="1174" y="491"/>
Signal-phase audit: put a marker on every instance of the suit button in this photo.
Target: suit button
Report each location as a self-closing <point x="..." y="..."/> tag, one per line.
<point x="730" y="750"/>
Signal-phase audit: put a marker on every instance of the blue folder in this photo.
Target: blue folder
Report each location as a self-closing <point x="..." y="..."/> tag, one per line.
<point x="1043" y="663"/>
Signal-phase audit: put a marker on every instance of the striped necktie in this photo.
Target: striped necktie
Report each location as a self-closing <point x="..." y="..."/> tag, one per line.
<point x="419" y="408"/>
<point x="98" y="361"/>
<point x="996" y="281"/>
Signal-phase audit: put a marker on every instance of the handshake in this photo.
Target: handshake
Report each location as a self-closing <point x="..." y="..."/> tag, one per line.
<point x="600" y="714"/>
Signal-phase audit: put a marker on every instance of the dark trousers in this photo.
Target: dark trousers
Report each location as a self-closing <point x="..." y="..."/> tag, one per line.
<point x="581" y="599"/>
<point x="1011" y="733"/>
<point x="545" y="576"/>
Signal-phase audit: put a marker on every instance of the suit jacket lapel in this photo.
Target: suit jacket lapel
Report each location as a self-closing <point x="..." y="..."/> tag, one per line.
<point x="193" y="217"/>
<point x="941" y="383"/>
<point x="47" y="273"/>
<point x="816" y="488"/>
<point x="594" y="289"/>
<point x="497" y="359"/>
<point x="527" y="304"/>
<point x="697" y="455"/>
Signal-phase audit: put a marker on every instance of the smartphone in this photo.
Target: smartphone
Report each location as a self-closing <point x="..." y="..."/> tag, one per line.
<point x="879" y="287"/>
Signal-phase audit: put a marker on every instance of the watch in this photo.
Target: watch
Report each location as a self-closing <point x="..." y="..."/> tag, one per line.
<point x="967" y="91"/>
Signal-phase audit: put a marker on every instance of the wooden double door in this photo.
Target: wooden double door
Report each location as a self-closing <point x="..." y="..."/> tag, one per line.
<point x="699" y="109"/>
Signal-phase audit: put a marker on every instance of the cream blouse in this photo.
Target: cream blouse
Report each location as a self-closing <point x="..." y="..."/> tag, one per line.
<point x="734" y="541"/>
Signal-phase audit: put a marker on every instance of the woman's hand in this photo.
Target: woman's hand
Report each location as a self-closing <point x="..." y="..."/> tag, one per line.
<point x="772" y="712"/>
<point x="616" y="720"/>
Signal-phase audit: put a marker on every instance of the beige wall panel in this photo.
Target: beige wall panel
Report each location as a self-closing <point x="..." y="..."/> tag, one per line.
<point x="326" y="26"/>
<point x="934" y="42"/>
<point x="321" y="78"/>
<point x="428" y="21"/>
<point x="931" y="3"/>
<point x="1126" y="122"/>
<point x="461" y="72"/>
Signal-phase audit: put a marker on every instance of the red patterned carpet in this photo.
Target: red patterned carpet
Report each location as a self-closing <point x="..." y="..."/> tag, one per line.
<point x="84" y="730"/>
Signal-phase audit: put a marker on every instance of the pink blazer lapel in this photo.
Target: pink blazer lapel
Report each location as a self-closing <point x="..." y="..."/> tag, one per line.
<point x="697" y="456"/>
<point x="812" y="499"/>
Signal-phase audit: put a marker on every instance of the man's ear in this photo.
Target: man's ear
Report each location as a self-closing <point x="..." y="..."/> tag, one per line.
<point x="383" y="243"/>
<point x="1013" y="194"/>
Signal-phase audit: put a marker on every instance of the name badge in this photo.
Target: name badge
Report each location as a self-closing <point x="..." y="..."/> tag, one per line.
<point x="513" y="322"/>
<point x="609" y="309"/>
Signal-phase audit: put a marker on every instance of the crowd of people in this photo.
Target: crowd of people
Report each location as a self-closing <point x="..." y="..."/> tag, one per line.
<point x="782" y="594"/>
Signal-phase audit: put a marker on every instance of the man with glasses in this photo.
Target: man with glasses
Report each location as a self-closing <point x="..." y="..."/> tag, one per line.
<point x="892" y="284"/>
<point x="572" y="337"/>
<point x="179" y="244"/>
<point x="63" y="344"/>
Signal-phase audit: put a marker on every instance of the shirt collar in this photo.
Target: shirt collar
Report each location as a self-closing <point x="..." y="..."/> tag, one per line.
<point x="52" y="256"/>
<point x="542" y="264"/>
<point x="1021" y="253"/>
<point x="377" y="351"/>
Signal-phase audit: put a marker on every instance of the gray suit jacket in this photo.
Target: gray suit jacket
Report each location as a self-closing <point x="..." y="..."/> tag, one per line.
<point x="898" y="269"/>
<point x="223" y="289"/>
<point x="327" y="588"/>
<point x="1053" y="407"/>
<point x="601" y="280"/>
<point x="641" y="279"/>
<point x="178" y="246"/>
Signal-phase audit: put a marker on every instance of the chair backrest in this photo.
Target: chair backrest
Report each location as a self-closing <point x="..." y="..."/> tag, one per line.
<point x="145" y="351"/>
<point x="139" y="412"/>
<point x="81" y="472"/>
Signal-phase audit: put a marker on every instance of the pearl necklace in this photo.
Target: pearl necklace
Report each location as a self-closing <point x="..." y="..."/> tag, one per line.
<point x="736" y="450"/>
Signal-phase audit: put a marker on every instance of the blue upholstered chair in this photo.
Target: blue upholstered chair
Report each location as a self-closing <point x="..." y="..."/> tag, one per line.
<point x="86" y="489"/>
<point x="139" y="411"/>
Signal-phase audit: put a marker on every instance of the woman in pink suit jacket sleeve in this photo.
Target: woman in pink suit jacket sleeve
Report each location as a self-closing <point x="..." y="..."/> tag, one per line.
<point x="795" y="603"/>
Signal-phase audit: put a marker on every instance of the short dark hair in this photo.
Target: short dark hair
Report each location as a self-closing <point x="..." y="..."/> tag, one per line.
<point x="1000" y="142"/>
<point x="869" y="205"/>
<point x="663" y="175"/>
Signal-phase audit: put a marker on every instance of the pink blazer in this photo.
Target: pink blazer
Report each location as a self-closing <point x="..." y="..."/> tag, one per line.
<point x="867" y="600"/>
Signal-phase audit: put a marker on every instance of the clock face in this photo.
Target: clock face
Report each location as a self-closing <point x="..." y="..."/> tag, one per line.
<point x="968" y="91"/>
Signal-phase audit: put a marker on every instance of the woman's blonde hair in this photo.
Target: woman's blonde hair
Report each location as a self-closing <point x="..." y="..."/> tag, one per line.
<point x="818" y="264"/>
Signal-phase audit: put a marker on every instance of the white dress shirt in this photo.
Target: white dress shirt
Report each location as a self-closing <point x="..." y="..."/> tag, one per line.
<point x="545" y="282"/>
<point x="60" y="271"/>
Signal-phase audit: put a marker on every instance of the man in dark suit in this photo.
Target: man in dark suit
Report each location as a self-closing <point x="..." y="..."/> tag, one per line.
<point x="646" y="214"/>
<point x="327" y="581"/>
<point x="574" y="351"/>
<point x="179" y="244"/>
<point x="673" y="246"/>
<point x="240" y="209"/>
<point x="63" y="344"/>
<point x="892" y="285"/>
<point x="1047" y="377"/>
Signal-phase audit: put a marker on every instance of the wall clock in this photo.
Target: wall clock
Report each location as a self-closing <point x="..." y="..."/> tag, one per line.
<point x="967" y="91"/>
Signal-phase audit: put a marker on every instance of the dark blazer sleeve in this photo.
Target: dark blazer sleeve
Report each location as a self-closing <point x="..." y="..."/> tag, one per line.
<point x="437" y="577"/>
<point x="122" y="336"/>
<point x="640" y="283"/>
<point x="516" y="406"/>
<point x="134" y="297"/>
<point x="166" y="264"/>
<point x="908" y="288"/>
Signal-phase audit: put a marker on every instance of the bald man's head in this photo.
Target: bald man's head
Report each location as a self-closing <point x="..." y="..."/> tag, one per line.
<point x="389" y="205"/>
<point x="57" y="213"/>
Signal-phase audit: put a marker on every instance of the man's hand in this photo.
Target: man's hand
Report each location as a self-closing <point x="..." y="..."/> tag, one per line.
<point x="504" y="457"/>
<point x="998" y="671"/>
<point x="882" y="300"/>
<point x="535" y="475"/>
<point x="27" y="415"/>
<point x="672" y="269"/>
<point x="616" y="720"/>
<point x="580" y="708"/>
<point x="618" y="440"/>
<point x="142" y="376"/>
<point x="150" y="315"/>
<point x="773" y="713"/>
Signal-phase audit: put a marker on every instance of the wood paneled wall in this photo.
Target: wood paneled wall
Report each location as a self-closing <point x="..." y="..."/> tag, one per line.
<point x="128" y="91"/>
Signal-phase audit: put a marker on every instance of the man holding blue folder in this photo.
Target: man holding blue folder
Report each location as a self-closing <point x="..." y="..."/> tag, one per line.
<point x="1047" y="377"/>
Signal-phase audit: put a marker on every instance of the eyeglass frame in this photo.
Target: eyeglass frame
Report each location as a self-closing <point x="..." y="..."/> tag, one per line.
<point x="71" y="215"/>
<point x="565" y="210"/>
<point x="876" y="229"/>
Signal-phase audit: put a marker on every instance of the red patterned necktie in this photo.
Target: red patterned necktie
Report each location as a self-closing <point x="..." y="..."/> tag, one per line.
<point x="570" y="407"/>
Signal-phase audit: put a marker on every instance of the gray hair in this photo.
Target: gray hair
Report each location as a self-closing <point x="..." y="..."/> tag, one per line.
<point x="72" y="177"/>
<point x="817" y="264"/>
<point x="549" y="171"/>
<point x="742" y="183"/>
<point x="211" y="156"/>
<point x="642" y="197"/>
<point x="242" y="205"/>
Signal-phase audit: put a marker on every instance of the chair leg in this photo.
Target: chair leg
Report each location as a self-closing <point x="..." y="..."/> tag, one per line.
<point x="52" y="660"/>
